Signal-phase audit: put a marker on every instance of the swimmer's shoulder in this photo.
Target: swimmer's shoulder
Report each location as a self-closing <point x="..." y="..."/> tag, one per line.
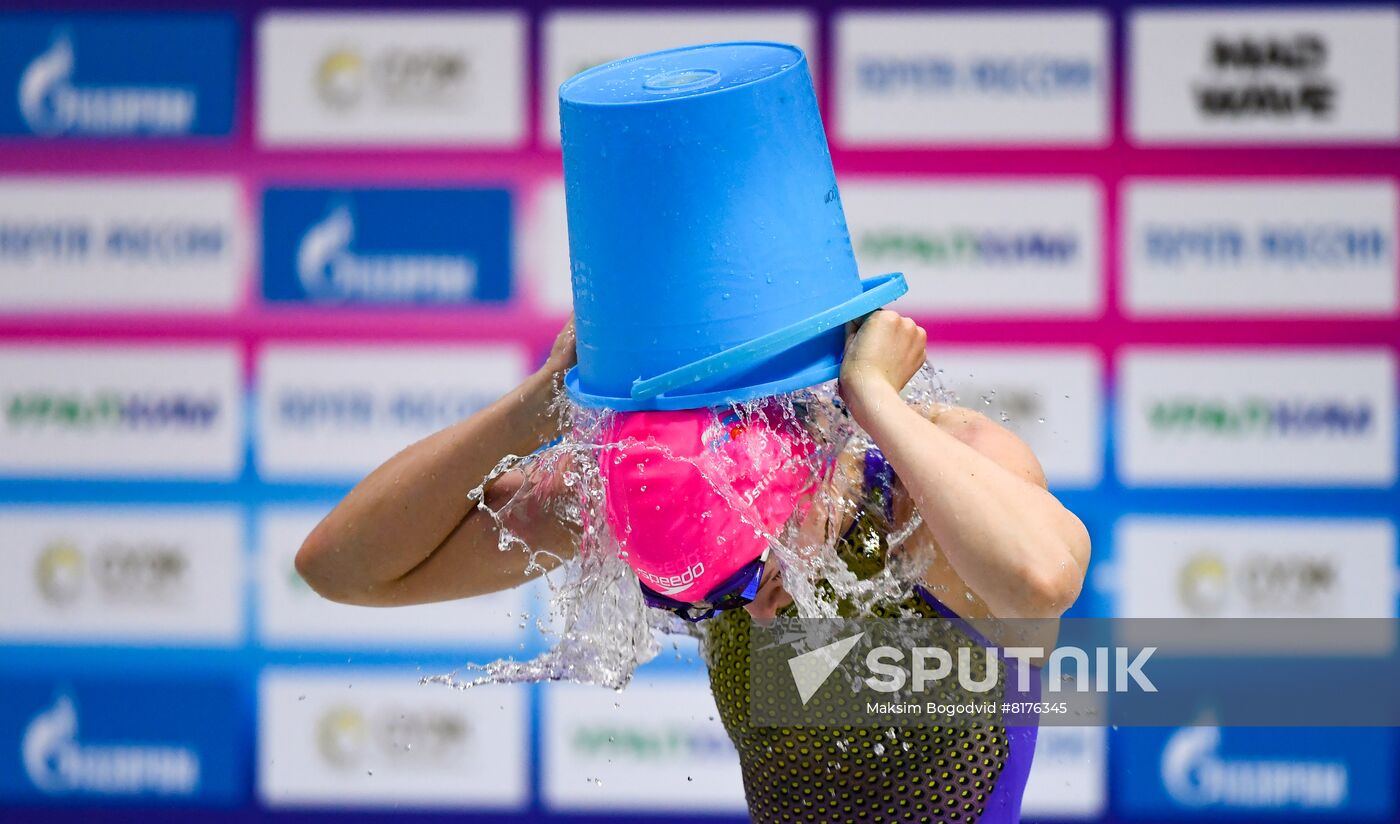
<point x="989" y="438"/>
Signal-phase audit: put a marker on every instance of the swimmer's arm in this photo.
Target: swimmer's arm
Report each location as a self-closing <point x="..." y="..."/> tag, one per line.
<point x="979" y="488"/>
<point x="408" y="534"/>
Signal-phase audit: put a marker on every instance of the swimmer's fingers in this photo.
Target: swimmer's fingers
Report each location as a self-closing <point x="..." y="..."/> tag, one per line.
<point x="853" y="326"/>
<point x="564" y="354"/>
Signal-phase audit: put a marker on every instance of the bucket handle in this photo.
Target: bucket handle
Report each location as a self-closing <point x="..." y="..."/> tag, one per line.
<point x="877" y="292"/>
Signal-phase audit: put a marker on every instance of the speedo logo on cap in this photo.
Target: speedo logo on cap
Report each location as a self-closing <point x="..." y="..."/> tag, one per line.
<point x="671" y="584"/>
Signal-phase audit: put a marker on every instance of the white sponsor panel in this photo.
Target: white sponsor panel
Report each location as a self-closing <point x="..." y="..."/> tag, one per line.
<point x="1180" y="567"/>
<point x="1234" y="247"/>
<point x="290" y="614"/>
<point x="984" y="248"/>
<point x="362" y="738"/>
<point x="1260" y="568"/>
<point x="394" y="78"/>
<point x="907" y="78"/>
<point x="157" y="244"/>
<point x="147" y="575"/>
<point x="119" y="410"/>
<point x="544" y="247"/>
<point x="1069" y="775"/>
<point x="658" y="745"/>
<point x="1051" y="397"/>
<point x="574" y="40"/>
<point x="1284" y="417"/>
<point x="337" y="412"/>
<point x="1279" y="75"/>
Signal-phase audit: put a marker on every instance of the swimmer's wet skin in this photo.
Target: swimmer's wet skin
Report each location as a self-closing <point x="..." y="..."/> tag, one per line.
<point x="407" y="534"/>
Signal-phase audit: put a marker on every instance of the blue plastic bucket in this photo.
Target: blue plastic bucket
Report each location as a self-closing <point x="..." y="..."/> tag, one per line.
<point x="710" y="257"/>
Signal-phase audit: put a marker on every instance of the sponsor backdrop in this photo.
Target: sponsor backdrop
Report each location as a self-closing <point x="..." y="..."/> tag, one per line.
<point x="246" y="253"/>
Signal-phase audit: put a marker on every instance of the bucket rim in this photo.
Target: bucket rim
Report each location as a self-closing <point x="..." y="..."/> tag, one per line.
<point x="651" y="393"/>
<point x="795" y="49"/>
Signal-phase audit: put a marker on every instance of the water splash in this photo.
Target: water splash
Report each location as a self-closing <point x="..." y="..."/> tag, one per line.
<point x="598" y="627"/>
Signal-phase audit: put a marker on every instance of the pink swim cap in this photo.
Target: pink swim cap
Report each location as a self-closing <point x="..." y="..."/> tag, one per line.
<point x="661" y="475"/>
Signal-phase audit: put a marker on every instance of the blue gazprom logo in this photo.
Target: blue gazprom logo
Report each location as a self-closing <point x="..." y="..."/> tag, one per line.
<point x="331" y="268"/>
<point x="95" y="741"/>
<point x="1196" y="774"/>
<point x="156" y="76"/>
<point x="52" y="104"/>
<point x="58" y="761"/>
<point x="386" y="246"/>
<point x="1284" y="774"/>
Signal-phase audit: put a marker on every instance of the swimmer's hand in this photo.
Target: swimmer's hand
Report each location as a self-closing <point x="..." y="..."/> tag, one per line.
<point x="883" y="351"/>
<point x="563" y="356"/>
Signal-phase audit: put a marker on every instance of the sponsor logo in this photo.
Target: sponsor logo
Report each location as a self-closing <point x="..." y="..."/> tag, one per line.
<point x="1195" y="774"/>
<point x="1311" y="245"/>
<point x="143" y="572"/>
<point x="658" y="745"/>
<point x="342" y="410"/>
<point x="123" y="574"/>
<point x="397" y="77"/>
<point x="59" y="572"/>
<point x="941" y="77"/>
<point x="51" y="104"/>
<point x="417" y="738"/>
<point x="1282" y="416"/>
<point x="57" y="762"/>
<point x="94" y="77"/>
<point x="330" y="269"/>
<point x="1255" y="568"/>
<point x="119" y="244"/>
<point x="71" y="410"/>
<point x="1241" y="75"/>
<point x="1029" y="75"/>
<point x="1301" y="247"/>
<point x="154" y="244"/>
<point x="363" y="409"/>
<point x="981" y="248"/>
<point x="575" y="40"/>
<point x="1266" y="76"/>
<point x="1267" y="583"/>
<point x="387" y="246"/>
<point x="389" y="742"/>
<point x="1260" y="417"/>
<point x="671" y="584"/>
<point x="963" y="247"/>
<point x="632" y="742"/>
<point x="110" y="410"/>
<point x="1294" y="774"/>
<point x="391" y="78"/>
<point x="162" y="742"/>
